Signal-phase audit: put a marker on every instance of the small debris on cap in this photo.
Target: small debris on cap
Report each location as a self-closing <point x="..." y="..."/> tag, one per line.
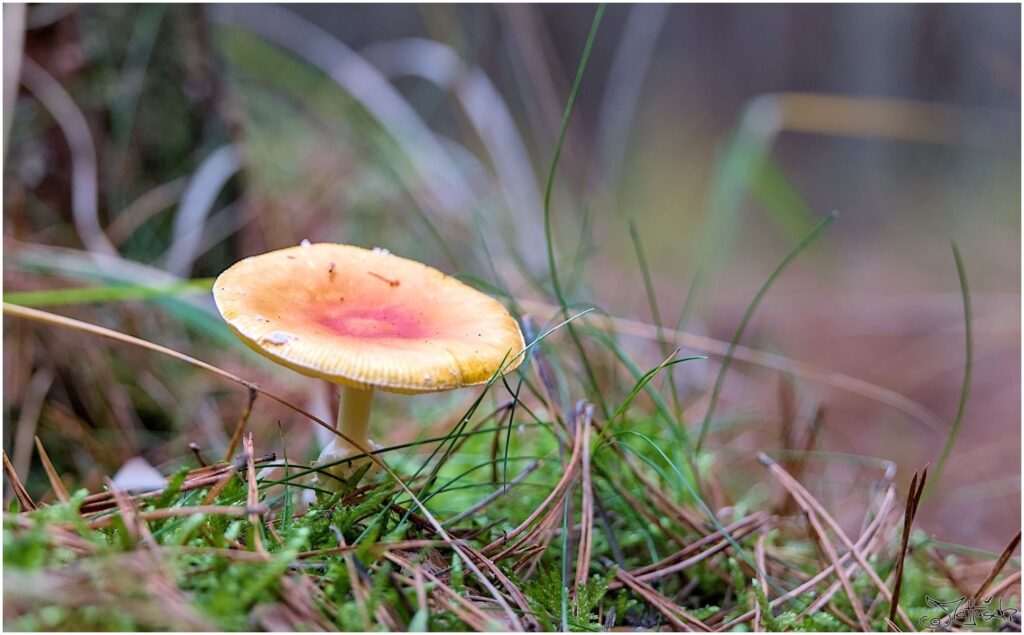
<point x="391" y="282"/>
<point x="279" y="337"/>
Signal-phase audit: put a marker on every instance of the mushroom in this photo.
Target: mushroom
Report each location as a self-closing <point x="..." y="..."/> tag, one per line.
<point x="366" y="320"/>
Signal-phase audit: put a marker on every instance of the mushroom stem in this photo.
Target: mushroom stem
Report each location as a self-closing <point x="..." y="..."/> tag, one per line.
<point x="354" y="416"/>
<point x="353" y="419"/>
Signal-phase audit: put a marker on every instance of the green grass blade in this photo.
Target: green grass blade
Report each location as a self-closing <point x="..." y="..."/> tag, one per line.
<point x="676" y="425"/>
<point x="110" y="293"/>
<point x="726" y="361"/>
<point x="965" y="388"/>
<point x="781" y="201"/>
<point x="552" y="170"/>
<point x="549" y="187"/>
<point x="652" y="303"/>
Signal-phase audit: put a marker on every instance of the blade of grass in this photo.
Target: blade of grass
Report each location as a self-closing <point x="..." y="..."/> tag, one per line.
<point x="693" y="492"/>
<point x="286" y="518"/>
<point x="652" y="303"/>
<point x="719" y="348"/>
<point x="508" y="431"/>
<point x="464" y="421"/>
<point x="783" y="204"/>
<point x="112" y="293"/>
<point x="965" y="388"/>
<point x="549" y="187"/>
<point x="675" y="424"/>
<point x="727" y="360"/>
<point x="107" y="270"/>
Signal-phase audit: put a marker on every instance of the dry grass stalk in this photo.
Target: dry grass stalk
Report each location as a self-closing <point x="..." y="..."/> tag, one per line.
<point x="51" y="473"/>
<point x="715" y="543"/>
<point x="195" y="479"/>
<point x="421" y="591"/>
<point x="871" y="539"/>
<point x="240" y="426"/>
<point x="675" y="614"/>
<point x="762" y="580"/>
<point x="1004" y="557"/>
<point x="828" y="549"/>
<point x="32" y="402"/>
<point x="587" y="511"/>
<point x="1008" y="581"/>
<point x="869" y="534"/>
<point x="446" y="596"/>
<point x="253" y="496"/>
<point x="27" y="504"/>
<point x="550" y="396"/>
<point x="298" y="593"/>
<point x="549" y="505"/>
<point x="219" y="483"/>
<point x="913" y="500"/>
<point x="198" y="453"/>
<point x="515" y="593"/>
<point x="174" y="512"/>
<point x="53" y="319"/>
<point x="786" y="396"/>
<point x="811" y="504"/>
<point x="683" y="517"/>
<point x="59" y="536"/>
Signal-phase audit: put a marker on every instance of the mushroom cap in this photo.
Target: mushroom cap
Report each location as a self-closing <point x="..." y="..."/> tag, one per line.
<point x="367" y="319"/>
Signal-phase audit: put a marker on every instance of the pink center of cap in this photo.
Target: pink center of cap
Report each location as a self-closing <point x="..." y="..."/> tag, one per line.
<point x="385" y="322"/>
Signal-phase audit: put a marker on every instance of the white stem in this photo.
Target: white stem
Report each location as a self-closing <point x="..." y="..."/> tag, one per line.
<point x="354" y="416"/>
<point x="353" y="420"/>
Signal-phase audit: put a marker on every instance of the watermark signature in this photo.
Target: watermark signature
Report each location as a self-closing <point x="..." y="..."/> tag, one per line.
<point x="964" y="612"/>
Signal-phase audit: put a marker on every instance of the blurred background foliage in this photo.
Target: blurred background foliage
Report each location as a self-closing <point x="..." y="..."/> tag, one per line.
<point x="154" y="142"/>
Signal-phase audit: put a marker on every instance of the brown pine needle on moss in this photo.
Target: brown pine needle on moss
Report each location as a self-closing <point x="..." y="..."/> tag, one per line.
<point x="913" y="500"/>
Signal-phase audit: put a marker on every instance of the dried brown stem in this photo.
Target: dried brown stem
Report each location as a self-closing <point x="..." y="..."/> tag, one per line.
<point x="1008" y="581"/>
<point x="587" y="511"/>
<point x="822" y="575"/>
<point x="51" y="474"/>
<point x="821" y="535"/>
<point x="253" y="495"/>
<point x="913" y="500"/>
<point x="173" y="512"/>
<point x="26" y="501"/>
<point x="811" y="503"/>
<point x="240" y="426"/>
<point x="677" y="617"/>
<point x="1004" y="557"/>
<point x="762" y="580"/>
<point x="556" y="494"/>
